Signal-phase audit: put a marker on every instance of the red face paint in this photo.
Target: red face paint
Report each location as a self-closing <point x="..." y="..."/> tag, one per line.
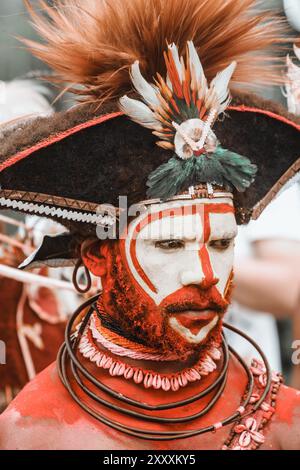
<point x="135" y="311"/>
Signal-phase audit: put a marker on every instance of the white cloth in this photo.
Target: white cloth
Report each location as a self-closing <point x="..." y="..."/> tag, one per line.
<point x="280" y="220"/>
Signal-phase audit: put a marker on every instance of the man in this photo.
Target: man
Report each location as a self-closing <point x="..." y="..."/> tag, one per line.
<point x="145" y="364"/>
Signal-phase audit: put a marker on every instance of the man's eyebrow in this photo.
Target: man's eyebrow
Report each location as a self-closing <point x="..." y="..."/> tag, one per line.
<point x="168" y="235"/>
<point x="224" y="234"/>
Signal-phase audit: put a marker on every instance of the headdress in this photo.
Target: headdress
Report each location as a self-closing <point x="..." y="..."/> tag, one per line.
<point x="153" y="72"/>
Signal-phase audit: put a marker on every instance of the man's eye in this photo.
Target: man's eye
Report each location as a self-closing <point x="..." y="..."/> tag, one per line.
<point x="169" y="244"/>
<point x="222" y="244"/>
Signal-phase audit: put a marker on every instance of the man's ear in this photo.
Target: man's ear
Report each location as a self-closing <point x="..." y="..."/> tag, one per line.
<point x="94" y="257"/>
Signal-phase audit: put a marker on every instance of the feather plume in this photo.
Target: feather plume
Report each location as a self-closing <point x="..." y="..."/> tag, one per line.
<point x="91" y="44"/>
<point x="224" y="168"/>
<point x="188" y="97"/>
<point x="220" y="85"/>
<point x="196" y="67"/>
<point x="147" y="91"/>
<point x="139" y="113"/>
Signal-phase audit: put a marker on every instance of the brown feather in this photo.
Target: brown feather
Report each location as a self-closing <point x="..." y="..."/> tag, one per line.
<point x="91" y="44"/>
<point x="165" y="145"/>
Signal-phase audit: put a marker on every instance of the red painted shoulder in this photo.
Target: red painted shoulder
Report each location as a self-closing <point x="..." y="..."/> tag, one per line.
<point x="44" y="398"/>
<point x="286" y="421"/>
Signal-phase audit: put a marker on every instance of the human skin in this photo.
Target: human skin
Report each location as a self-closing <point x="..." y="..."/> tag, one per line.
<point x="45" y="417"/>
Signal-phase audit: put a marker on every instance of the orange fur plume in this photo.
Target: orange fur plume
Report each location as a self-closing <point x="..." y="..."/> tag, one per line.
<point x="91" y="44"/>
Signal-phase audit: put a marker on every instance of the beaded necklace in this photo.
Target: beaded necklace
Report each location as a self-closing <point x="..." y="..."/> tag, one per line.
<point x="69" y="366"/>
<point x="116" y="367"/>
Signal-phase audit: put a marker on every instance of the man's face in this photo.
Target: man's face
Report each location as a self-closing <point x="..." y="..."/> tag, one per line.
<point x="169" y="278"/>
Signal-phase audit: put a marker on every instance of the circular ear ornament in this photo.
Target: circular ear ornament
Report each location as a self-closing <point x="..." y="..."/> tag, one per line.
<point x="78" y="287"/>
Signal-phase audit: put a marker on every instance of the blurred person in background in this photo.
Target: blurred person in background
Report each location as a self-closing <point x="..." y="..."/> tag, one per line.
<point x="268" y="259"/>
<point x="268" y="277"/>
<point x="34" y="310"/>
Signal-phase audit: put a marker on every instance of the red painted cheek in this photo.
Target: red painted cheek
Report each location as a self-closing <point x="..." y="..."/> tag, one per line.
<point x="123" y="259"/>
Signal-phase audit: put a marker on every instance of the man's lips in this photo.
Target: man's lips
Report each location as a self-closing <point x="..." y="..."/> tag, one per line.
<point x="194" y="320"/>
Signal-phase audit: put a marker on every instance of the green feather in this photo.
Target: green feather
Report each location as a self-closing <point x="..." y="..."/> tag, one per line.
<point x="222" y="168"/>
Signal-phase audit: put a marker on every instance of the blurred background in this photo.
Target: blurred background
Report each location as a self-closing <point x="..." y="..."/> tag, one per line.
<point x="267" y="298"/>
<point x="15" y="61"/>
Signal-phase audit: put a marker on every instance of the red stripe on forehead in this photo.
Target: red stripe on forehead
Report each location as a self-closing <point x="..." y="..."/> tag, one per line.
<point x="183" y="211"/>
<point x="215" y="208"/>
<point x="176" y="212"/>
<point x="204" y="210"/>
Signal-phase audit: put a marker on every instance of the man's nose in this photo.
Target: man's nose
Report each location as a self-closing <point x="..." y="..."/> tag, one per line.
<point x="192" y="274"/>
<point x="196" y="274"/>
<point x="198" y="278"/>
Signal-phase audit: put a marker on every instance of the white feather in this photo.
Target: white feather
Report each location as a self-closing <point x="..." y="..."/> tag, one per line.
<point x="169" y="83"/>
<point x="139" y="113"/>
<point x="173" y="48"/>
<point x="220" y="85"/>
<point x="147" y="91"/>
<point x="195" y="64"/>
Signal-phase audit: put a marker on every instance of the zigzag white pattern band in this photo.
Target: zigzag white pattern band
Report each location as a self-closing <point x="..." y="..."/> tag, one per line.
<point x="45" y="210"/>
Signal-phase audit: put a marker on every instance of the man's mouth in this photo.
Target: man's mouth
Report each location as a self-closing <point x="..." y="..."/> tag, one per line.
<point x="195" y="319"/>
<point x="194" y="325"/>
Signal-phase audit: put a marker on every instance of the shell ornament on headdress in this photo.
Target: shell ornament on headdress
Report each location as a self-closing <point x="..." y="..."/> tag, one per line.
<point x="181" y="111"/>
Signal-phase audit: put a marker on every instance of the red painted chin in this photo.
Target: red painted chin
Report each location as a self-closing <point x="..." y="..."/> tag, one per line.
<point x="195" y="320"/>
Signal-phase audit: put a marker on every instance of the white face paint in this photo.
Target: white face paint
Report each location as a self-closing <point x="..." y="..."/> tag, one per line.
<point x="179" y="244"/>
<point x="188" y="335"/>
